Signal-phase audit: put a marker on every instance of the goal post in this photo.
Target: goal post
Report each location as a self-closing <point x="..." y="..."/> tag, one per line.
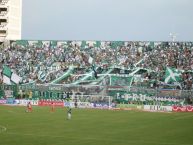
<point x="91" y="101"/>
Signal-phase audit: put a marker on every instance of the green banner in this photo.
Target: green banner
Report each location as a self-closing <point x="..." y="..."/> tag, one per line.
<point x="121" y="81"/>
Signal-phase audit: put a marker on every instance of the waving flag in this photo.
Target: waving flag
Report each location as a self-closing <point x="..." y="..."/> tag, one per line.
<point x="172" y="75"/>
<point x="90" y="60"/>
<point x="9" y="77"/>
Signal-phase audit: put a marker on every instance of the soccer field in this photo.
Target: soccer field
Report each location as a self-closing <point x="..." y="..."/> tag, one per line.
<point x="93" y="127"/>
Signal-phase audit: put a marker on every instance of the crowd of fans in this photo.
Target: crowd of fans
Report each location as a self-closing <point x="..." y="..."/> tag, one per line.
<point x="43" y="62"/>
<point x="176" y="55"/>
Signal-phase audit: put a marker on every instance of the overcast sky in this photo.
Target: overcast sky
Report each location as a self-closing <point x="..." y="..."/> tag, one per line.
<point x="126" y="20"/>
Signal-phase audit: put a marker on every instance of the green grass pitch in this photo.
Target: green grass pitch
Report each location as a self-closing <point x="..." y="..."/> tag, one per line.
<point x="93" y="127"/>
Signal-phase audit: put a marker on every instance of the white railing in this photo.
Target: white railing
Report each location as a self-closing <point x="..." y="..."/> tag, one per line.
<point x="3" y="2"/>
<point x="3" y="13"/>
<point x="3" y="24"/>
<point x="3" y="34"/>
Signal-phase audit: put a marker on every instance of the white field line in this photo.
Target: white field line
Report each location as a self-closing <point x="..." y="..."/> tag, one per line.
<point x="92" y="138"/>
<point x="2" y="128"/>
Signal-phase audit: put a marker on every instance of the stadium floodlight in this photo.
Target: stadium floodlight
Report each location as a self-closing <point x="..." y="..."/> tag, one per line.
<point x="173" y="36"/>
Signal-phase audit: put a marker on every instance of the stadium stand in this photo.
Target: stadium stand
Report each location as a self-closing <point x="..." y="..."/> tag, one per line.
<point x="148" y="65"/>
<point x="45" y="61"/>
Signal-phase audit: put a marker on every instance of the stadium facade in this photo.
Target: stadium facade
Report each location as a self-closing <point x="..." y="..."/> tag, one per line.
<point x="10" y="19"/>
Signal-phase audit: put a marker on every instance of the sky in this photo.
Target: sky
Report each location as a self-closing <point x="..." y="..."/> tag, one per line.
<point x="107" y="20"/>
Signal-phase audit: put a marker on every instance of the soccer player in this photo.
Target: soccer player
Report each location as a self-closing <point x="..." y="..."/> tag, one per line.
<point x="52" y="107"/>
<point x="69" y="113"/>
<point x="29" y="107"/>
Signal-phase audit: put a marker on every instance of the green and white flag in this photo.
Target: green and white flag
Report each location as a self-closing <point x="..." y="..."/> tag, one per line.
<point x="172" y="75"/>
<point x="121" y="80"/>
<point x="9" y="77"/>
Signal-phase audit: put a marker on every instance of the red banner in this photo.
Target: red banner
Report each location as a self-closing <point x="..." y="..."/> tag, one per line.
<point x="182" y="108"/>
<point x="49" y="103"/>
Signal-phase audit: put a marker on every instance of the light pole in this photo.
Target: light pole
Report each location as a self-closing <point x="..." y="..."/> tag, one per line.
<point x="173" y="36"/>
